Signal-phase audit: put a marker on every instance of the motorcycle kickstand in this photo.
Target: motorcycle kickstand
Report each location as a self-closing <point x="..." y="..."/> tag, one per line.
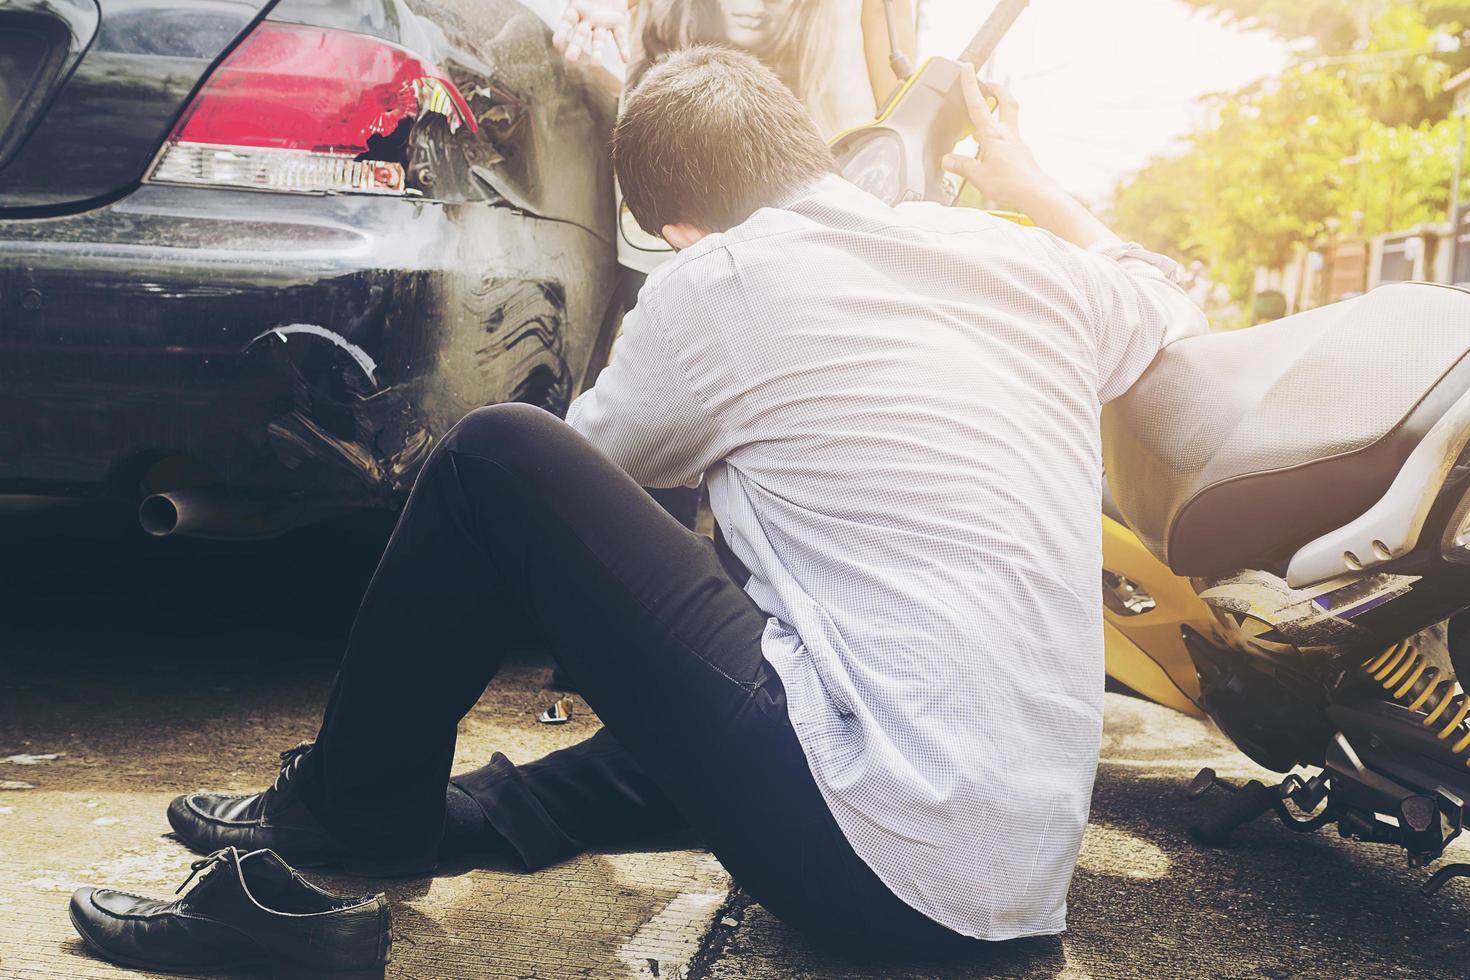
<point x="1245" y="803"/>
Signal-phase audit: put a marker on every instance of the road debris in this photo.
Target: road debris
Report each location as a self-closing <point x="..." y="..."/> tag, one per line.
<point x="23" y="759"/>
<point x="559" y="713"/>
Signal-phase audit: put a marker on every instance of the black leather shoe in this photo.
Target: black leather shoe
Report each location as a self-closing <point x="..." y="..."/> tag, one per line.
<point x="247" y="910"/>
<point x="279" y="819"/>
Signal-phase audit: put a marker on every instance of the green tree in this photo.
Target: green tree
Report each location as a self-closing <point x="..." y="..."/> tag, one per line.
<point x="1404" y="176"/>
<point x="1353" y="139"/>
<point x="1267" y="176"/>
<point x="1396" y="55"/>
<point x="1162" y="205"/>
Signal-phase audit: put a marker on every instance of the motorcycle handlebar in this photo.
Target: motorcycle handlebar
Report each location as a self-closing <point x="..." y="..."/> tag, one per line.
<point x="989" y="36"/>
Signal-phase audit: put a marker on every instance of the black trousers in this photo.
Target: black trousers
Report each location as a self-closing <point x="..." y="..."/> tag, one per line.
<point x="518" y="525"/>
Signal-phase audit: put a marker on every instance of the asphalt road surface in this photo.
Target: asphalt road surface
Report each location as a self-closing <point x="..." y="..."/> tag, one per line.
<point x="128" y="676"/>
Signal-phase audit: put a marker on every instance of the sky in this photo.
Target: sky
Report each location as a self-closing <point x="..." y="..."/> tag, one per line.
<point x="1105" y="84"/>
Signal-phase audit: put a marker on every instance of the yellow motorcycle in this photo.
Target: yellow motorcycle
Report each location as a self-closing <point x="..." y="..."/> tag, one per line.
<point x="1288" y="511"/>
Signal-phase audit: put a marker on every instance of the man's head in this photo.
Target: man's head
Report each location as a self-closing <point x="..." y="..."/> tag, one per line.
<point x="709" y="136"/>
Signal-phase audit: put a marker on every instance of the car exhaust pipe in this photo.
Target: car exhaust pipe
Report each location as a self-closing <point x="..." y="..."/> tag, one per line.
<point x="216" y="513"/>
<point x="179" y="512"/>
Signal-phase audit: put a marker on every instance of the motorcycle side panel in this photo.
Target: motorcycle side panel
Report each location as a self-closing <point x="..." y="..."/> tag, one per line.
<point x="1146" y="651"/>
<point x="1129" y="665"/>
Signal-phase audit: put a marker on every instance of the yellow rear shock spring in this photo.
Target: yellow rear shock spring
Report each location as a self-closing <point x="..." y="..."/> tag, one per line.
<point x="1407" y="677"/>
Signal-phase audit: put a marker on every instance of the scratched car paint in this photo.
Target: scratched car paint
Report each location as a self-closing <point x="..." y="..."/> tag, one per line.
<point x="311" y="347"/>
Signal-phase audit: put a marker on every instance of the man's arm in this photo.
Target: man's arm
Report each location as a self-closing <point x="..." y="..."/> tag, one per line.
<point x="1005" y="171"/>
<point x="643" y="413"/>
<point x="1136" y="306"/>
<point x="1133" y="300"/>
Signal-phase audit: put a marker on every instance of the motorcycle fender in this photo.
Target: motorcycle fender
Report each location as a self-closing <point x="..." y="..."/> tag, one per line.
<point x="1129" y="665"/>
<point x="1145" y="651"/>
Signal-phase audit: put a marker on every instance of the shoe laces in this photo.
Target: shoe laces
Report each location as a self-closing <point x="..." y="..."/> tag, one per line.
<point x="224" y="855"/>
<point x="290" y="762"/>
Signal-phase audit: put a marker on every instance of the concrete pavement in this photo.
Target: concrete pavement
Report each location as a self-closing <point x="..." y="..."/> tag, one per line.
<point x="110" y="705"/>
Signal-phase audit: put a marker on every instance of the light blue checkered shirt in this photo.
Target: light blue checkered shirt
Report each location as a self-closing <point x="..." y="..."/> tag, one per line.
<point x="897" y="413"/>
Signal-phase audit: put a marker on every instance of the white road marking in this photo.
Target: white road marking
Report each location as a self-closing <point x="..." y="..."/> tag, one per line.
<point x="671" y="938"/>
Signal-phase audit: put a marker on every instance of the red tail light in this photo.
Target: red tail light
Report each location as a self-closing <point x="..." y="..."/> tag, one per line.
<point x="307" y="109"/>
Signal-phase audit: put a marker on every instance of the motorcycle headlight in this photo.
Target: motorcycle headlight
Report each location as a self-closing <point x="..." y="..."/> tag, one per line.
<point x="876" y="165"/>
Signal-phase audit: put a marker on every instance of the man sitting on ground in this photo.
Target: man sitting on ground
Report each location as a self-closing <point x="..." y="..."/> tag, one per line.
<point x="888" y="731"/>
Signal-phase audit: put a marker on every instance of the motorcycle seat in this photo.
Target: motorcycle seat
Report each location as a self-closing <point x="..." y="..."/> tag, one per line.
<point x="1235" y="449"/>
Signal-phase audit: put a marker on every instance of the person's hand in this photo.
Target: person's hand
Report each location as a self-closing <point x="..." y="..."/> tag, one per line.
<point x="1004" y="170"/>
<point x="587" y="26"/>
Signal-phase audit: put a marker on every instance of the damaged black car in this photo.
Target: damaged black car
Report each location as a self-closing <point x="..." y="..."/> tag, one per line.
<point x="257" y="257"/>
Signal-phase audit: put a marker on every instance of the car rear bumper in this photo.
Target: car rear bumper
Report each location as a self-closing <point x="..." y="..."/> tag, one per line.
<point x="295" y="345"/>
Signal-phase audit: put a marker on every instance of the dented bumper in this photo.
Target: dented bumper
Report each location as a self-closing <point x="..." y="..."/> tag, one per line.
<point x="315" y="346"/>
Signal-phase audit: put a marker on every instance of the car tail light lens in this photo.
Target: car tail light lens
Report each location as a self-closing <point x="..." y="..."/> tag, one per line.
<point x="309" y="110"/>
